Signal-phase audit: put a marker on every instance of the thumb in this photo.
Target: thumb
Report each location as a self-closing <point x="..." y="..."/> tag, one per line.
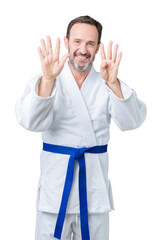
<point x="104" y="64"/>
<point x="63" y="59"/>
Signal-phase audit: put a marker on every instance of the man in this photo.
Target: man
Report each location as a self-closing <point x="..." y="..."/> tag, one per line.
<point x="72" y="105"/>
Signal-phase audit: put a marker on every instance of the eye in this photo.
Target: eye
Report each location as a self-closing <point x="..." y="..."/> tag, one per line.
<point x="91" y="43"/>
<point x="77" y="41"/>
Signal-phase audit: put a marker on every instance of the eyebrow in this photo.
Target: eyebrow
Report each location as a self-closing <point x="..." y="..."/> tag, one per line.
<point x="91" y="42"/>
<point x="78" y="39"/>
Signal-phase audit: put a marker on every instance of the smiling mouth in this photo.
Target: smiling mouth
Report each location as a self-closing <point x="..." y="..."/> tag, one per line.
<point x="82" y="56"/>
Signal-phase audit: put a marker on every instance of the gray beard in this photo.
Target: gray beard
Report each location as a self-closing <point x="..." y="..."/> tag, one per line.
<point x="85" y="68"/>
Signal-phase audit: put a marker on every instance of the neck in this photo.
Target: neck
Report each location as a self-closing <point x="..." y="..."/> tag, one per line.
<point x="79" y="76"/>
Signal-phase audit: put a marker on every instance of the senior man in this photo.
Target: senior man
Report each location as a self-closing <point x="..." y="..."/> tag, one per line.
<point x="72" y="105"/>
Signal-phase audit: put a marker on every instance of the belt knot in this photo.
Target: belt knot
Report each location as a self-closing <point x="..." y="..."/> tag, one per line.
<point x="79" y="153"/>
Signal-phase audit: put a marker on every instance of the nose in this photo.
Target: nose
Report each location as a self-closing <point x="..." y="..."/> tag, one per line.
<point x="83" y="48"/>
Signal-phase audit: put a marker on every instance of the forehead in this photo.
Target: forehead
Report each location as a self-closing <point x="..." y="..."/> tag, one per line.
<point x="84" y="31"/>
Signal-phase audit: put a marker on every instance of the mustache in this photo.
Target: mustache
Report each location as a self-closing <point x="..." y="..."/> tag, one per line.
<point x="88" y="55"/>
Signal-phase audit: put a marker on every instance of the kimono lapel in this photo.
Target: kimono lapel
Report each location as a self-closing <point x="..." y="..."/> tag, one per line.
<point x="78" y="98"/>
<point x="88" y="84"/>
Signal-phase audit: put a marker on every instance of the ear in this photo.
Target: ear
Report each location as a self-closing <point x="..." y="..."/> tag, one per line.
<point x="66" y="42"/>
<point x="98" y="47"/>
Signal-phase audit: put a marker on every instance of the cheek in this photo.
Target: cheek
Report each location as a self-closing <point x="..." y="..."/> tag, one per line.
<point x="92" y="52"/>
<point x="72" y="50"/>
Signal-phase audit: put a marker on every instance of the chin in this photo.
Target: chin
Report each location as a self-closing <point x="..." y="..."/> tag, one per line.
<point x="80" y="67"/>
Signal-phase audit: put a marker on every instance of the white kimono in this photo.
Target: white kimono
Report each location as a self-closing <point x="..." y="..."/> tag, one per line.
<point x="77" y="118"/>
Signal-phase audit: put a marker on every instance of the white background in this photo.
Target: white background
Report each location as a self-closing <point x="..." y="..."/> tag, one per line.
<point x="135" y="156"/>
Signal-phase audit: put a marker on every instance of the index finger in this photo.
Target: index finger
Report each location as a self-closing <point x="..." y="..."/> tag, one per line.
<point x="109" y="50"/>
<point x="102" y="52"/>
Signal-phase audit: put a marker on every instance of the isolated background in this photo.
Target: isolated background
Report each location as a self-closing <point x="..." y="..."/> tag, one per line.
<point x="135" y="156"/>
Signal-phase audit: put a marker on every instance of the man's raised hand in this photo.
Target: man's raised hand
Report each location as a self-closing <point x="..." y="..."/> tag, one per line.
<point x="110" y="64"/>
<point x="109" y="68"/>
<point x="51" y="65"/>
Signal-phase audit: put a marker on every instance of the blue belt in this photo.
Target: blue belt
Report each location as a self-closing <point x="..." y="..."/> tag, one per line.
<point x="75" y="154"/>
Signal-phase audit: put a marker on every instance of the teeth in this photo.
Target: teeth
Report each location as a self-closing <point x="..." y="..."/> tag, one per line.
<point x="82" y="57"/>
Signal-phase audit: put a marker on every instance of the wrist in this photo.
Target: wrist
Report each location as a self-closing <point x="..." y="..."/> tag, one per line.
<point x="45" y="86"/>
<point x="116" y="88"/>
<point x="48" y="80"/>
<point x="114" y="84"/>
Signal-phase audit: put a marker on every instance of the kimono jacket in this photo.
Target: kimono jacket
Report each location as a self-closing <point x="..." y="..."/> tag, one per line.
<point x="77" y="118"/>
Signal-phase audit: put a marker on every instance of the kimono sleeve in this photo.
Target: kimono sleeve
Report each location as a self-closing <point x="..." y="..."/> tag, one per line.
<point x="33" y="112"/>
<point x="128" y="113"/>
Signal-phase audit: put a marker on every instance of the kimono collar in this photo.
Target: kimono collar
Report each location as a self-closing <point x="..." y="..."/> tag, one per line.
<point x="70" y="82"/>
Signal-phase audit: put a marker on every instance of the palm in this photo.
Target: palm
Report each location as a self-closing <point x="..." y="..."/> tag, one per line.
<point x="109" y="66"/>
<point x="51" y="66"/>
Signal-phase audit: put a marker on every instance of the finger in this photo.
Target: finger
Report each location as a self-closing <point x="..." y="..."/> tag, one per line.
<point x="44" y="50"/>
<point x="119" y="59"/>
<point x="109" y="50"/>
<point x="102" y="52"/>
<point x="57" y="48"/>
<point x="49" y="45"/>
<point x="63" y="60"/>
<point x="41" y="56"/>
<point x="115" y="53"/>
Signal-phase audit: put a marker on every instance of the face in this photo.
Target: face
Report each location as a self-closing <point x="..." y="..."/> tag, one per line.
<point x="82" y="46"/>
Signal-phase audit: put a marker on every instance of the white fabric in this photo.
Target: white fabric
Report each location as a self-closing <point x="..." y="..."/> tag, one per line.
<point x="77" y="118"/>
<point x="98" y="226"/>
